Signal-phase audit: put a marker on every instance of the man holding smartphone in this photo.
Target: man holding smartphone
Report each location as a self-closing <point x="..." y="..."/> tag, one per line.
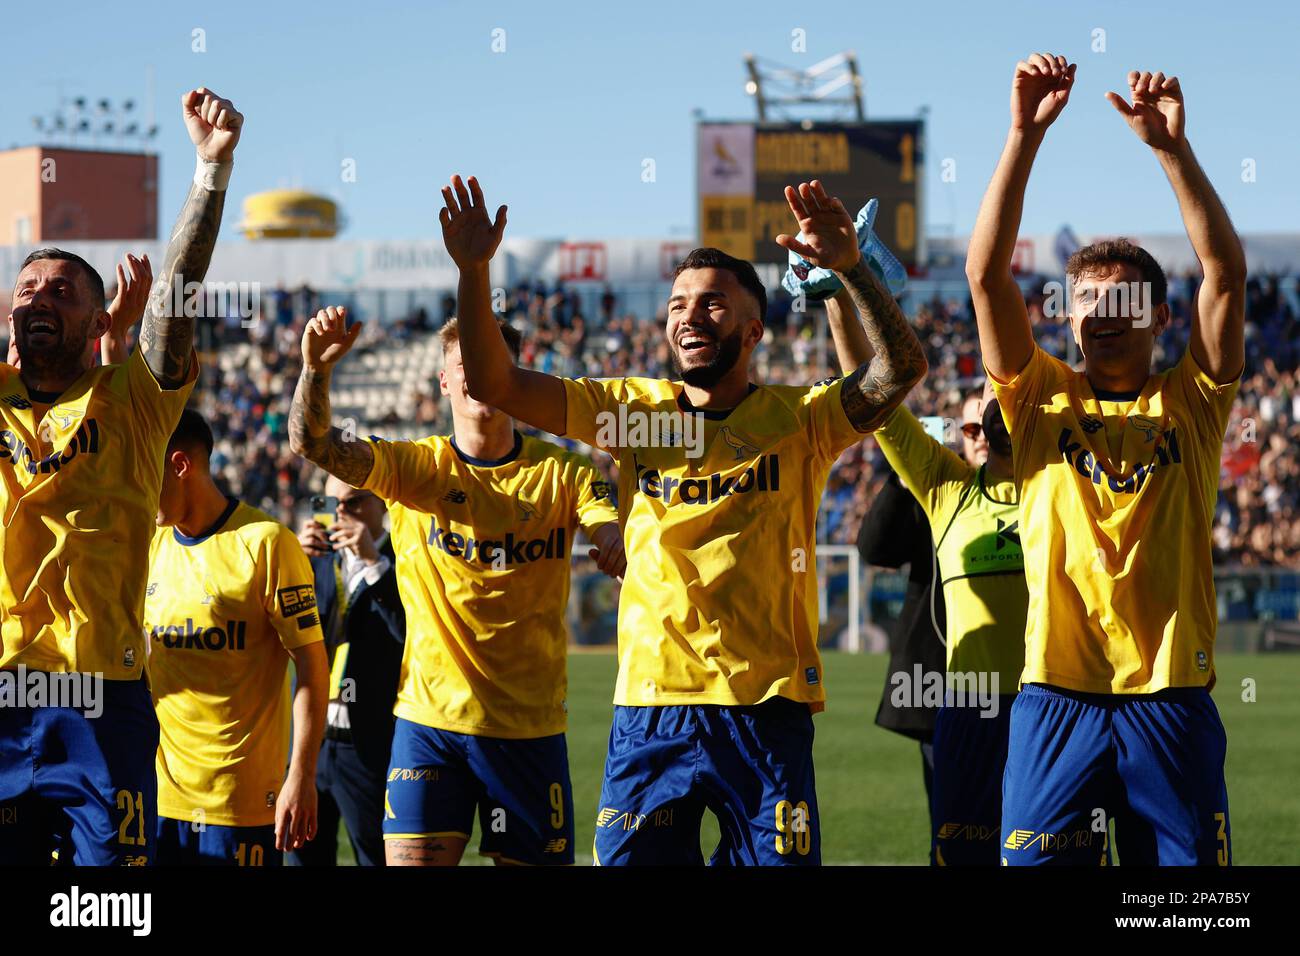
<point x="365" y="631"/>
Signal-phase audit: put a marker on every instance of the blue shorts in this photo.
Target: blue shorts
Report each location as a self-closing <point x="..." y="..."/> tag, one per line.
<point x="970" y="751"/>
<point x="82" y="785"/>
<point x="1153" y="762"/>
<point x="751" y="766"/>
<point x="184" y="843"/>
<point x="437" y="779"/>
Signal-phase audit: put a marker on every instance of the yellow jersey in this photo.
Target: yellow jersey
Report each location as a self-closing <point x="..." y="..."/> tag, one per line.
<point x="1117" y="496"/>
<point x="482" y="551"/>
<point x="221" y="608"/>
<point x="719" y="603"/>
<point x="79" y="492"/>
<point x="975" y="525"/>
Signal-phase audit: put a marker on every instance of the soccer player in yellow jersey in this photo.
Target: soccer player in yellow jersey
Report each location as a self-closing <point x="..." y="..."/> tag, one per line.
<point x="482" y="524"/>
<point x="81" y="458"/>
<point x="719" y="482"/>
<point x="230" y="602"/>
<point x="1118" y="471"/>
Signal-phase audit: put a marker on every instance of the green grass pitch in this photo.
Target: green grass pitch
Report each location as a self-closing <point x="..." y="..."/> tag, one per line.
<point x="869" y="780"/>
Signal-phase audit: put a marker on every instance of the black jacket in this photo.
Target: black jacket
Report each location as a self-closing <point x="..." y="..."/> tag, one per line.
<point x="375" y="628"/>
<point x="896" y="532"/>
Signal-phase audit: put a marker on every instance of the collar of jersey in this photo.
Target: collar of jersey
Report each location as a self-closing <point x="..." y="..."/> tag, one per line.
<point x="216" y="526"/>
<point x="489" y="462"/>
<point x="1087" y="403"/>
<point x="984" y="490"/>
<point x="43" y="398"/>
<point x="712" y="414"/>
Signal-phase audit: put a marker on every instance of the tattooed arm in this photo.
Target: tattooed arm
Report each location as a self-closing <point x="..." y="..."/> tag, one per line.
<point x="896" y="363"/>
<point x="166" y="339"/>
<point x="311" y="431"/>
<point x="879" y="385"/>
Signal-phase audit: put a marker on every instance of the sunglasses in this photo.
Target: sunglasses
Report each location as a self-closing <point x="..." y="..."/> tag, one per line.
<point x="972" y="430"/>
<point x="354" y="503"/>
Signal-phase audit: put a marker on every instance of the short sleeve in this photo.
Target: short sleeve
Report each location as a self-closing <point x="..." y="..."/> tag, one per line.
<point x="1020" y="397"/>
<point x="926" y="467"/>
<point x="290" y="592"/>
<point x="399" y="469"/>
<point x="1209" y="402"/>
<point x="832" y="432"/>
<point x="585" y="399"/>
<point x="155" y="409"/>
<point x="597" y="499"/>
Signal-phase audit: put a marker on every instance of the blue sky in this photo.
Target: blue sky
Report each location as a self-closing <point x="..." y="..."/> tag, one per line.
<point x="558" y="125"/>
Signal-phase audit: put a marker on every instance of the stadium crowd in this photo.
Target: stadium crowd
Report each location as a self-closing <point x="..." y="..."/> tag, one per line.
<point x="1258" y="513"/>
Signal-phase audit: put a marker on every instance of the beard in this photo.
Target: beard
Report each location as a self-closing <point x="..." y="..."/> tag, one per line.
<point x="61" y="360"/>
<point x="712" y="372"/>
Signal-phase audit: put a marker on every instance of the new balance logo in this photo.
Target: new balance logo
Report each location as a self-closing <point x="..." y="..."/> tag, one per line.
<point x="556" y="845"/>
<point x="455" y="496"/>
<point x="1089" y="424"/>
<point x="16" y="401"/>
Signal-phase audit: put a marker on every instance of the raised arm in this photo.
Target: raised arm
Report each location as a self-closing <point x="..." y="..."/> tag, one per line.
<point x="126" y="309"/>
<point x="1156" y="115"/>
<point x="877" y="386"/>
<point x="851" y="346"/>
<point x="166" y="339"/>
<point x="491" y="374"/>
<point x="1039" y="91"/>
<point x="312" y="433"/>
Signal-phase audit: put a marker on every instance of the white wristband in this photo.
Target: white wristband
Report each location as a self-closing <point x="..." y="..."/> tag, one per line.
<point x="214" y="177"/>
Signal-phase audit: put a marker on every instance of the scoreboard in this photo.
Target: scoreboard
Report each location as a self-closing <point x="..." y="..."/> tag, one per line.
<point x="743" y="169"/>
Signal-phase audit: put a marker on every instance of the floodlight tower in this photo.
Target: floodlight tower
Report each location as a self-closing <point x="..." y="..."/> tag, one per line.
<point x="783" y="88"/>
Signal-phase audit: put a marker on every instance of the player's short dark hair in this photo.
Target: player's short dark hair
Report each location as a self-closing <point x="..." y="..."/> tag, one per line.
<point x="190" y="434"/>
<point x="707" y="257"/>
<point x="94" y="278"/>
<point x="1105" y="255"/>
<point x="449" y="335"/>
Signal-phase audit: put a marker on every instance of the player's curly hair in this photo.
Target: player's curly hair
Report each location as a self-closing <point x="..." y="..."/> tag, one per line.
<point x="1105" y="255"/>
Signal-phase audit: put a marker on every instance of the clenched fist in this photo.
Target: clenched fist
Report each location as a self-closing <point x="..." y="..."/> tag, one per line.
<point x="213" y="123"/>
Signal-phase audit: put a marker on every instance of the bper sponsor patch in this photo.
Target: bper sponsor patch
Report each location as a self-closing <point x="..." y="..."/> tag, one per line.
<point x="296" y="600"/>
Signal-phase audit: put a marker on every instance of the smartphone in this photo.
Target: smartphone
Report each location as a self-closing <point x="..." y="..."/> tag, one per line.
<point x="323" y="509"/>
